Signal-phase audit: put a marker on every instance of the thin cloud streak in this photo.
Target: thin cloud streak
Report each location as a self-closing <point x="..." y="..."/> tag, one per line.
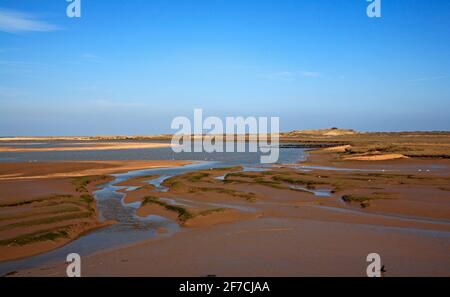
<point x="310" y="74"/>
<point x="12" y="21"/>
<point x="429" y="78"/>
<point x="290" y="76"/>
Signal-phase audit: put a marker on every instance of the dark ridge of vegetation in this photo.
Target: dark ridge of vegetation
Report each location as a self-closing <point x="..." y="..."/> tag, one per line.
<point x="73" y="201"/>
<point x="296" y="181"/>
<point x="145" y="187"/>
<point x="236" y="168"/>
<point x="83" y="181"/>
<point x="249" y="196"/>
<point x="386" y="175"/>
<point x="60" y="210"/>
<point x="183" y="213"/>
<point x="25" y="202"/>
<point x="196" y="177"/>
<point x="269" y="183"/>
<point x="171" y="182"/>
<point x="149" y="177"/>
<point x="89" y="200"/>
<point x="425" y="156"/>
<point x="50" y="220"/>
<point x="52" y="234"/>
<point x="211" y="211"/>
<point x="144" y="178"/>
<point x="256" y="178"/>
<point x="242" y="175"/>
<point x="364" y="202"/>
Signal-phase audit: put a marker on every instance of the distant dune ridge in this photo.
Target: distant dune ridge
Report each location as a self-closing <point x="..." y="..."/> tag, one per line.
<point x="348" y="143"/>
<point x="324" y="132"/>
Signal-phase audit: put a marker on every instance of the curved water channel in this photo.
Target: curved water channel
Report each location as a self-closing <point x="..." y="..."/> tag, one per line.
<point x="131" y="228"/>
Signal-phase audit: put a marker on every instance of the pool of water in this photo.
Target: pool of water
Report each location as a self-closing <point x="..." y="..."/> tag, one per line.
<point x="165" y="153"/>
<point x="317" y="193"/>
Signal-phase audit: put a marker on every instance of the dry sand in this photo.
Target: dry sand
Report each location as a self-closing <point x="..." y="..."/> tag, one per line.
<point x="380" y="157"/>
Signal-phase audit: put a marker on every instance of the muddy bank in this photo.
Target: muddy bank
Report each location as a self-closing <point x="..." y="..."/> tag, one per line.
<point x="36" y="170"/>
<point x="44" y="206"/>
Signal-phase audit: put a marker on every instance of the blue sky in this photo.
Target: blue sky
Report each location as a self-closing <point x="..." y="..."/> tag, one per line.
<point x="129" y="67"/>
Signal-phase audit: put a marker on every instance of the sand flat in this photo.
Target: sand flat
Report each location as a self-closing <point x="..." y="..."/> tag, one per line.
<point x="44" y="205"/>
<point x="270" y="247"/>
<point x="99" y="146"/>
<point x="37" y="170"/>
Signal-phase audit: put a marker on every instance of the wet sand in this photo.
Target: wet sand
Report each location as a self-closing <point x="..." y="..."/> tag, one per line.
<point x="271" y="247"/>
<point x="268" y="229"/>
<point x="99" y="146"/>
<point x="43" y="170"/>
<point x="45" y="205"/>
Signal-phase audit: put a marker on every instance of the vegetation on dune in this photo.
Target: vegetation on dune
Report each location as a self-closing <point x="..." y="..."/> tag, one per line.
<point x="177" y="184"/>
<point x="139" y="179"/>
<point x="25" y="202"/>
<point x="82" y="182"/>
<point x="211" y="211"/>
<point x="183" y="213"/>
<point x="46" y="221"/>
<point x="225" y="169"/>
<point x="197" y="176"/>
<point x="43" y="235"/>
<point x="50" y="210"/>
<point x="249" y="196"/>
<point x="364" y="201"/>
<point x="296" y="181"/>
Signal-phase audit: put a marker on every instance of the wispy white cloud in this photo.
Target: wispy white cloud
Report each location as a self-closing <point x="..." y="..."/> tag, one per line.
<point x="115" y="104"/>
<point x="429" y="78"/>
<point x="290" y="76"/>
<point x="13" y="21"/>
<point x="282" y="75"/>
<point x="310" y="74"/>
